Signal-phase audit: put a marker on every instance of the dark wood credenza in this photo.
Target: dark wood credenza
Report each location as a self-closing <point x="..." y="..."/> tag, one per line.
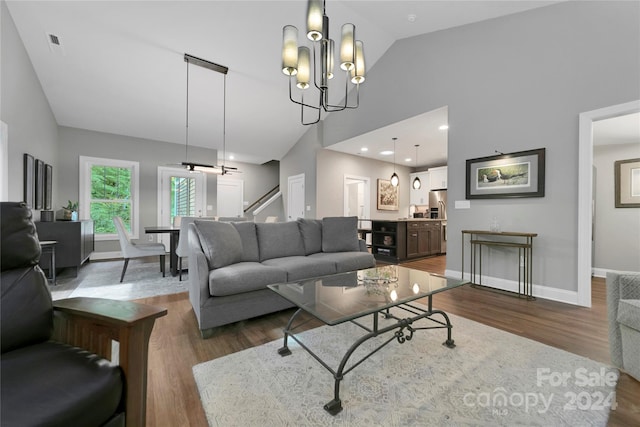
<point x="75" y="242"/>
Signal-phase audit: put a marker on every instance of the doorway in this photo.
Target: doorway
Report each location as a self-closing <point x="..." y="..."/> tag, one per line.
<point x="180" y="193"/>
<point x="357" y="196"/>
<point x="295" y="197"/>
<point x="230" y="197"/>
<point x="585" y="191"/>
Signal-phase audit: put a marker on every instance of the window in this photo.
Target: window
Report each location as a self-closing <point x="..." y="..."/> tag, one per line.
<point x="183" y="197"/>
<point x="109" y="188"/>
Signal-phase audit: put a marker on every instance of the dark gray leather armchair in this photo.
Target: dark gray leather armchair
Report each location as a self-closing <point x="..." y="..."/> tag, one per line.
<point x="55" y="361"/>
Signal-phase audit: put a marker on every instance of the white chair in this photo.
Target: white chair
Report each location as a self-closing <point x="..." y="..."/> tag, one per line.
<point x="271" y="219"/>
<point x="136" y="250"/>
<point x="183" y="241"/>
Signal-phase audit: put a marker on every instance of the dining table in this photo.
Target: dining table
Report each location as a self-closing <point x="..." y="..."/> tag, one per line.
<point x="174" y="235"/>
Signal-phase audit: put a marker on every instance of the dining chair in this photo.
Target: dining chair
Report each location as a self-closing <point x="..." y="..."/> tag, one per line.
<point x="271" y="219"/>
<point x="136" y="250"/>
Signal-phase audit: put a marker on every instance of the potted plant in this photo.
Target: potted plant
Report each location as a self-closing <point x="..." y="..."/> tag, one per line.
<point x="71" y="211"/>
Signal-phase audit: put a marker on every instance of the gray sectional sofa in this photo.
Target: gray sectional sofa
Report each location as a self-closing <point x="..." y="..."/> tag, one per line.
<point x="231" y="264"/>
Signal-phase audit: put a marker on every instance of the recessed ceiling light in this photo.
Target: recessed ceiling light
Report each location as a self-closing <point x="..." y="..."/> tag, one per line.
<point x="231" y="157"/>
<point x="386" y="153"/>
<point x="444" y="127"/>
<point x="408" y="159"/>
<point x="364" y="149"/>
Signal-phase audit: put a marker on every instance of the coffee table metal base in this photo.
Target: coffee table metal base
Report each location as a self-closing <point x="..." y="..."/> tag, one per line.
<point x="403" y="329"/>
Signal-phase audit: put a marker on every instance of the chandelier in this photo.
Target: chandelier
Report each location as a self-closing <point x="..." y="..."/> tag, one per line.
<point x="203" y="167"/>
<point x="317" y="69"/>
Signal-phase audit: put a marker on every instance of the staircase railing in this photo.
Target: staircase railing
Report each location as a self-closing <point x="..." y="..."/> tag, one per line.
<point x="263" y="198"/>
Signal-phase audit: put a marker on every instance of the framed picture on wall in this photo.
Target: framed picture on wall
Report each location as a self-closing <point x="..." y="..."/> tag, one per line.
<point x="519" y="174"/>
<point x="627" y="183"/>
<point x="28" y="179"/>
<point x="39" y="191"/>
<point x="48" y="185"/>
<point x="387" y="196"/>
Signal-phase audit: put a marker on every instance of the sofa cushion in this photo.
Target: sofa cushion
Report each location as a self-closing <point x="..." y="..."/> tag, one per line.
<point x="279" y="239"/>
<point x="247" y="231"/>
<point x="340" y="234"/>
<point x="311" y="230"/>
<point x="243" y="277"/>
<point x="55" y="384"/>
<point x="347" y="261"/>
<point x="220" y="242"/>
<point x="629" y="313"/>
<point x="302" y="267"/>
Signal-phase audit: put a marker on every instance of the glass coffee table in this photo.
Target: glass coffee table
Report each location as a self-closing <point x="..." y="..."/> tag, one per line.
<point x="348" y="297"/>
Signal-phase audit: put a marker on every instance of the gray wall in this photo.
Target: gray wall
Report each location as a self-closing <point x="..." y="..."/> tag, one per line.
<point x="513" y="83"/>
<point x="23" y="107"/>
<point x="616" y="230"/>
<point x="330" y="189"/>
<point x="151" y="154"/>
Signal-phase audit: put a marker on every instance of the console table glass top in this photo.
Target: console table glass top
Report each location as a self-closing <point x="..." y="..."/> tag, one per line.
<point x="343" y="297"/>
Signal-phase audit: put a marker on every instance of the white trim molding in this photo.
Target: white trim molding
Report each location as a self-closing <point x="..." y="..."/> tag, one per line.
<point x="585" y="191"/>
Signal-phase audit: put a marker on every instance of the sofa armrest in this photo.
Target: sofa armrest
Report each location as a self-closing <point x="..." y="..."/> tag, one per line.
<point x="363" y="245"/>
<point x="92" y="324"/>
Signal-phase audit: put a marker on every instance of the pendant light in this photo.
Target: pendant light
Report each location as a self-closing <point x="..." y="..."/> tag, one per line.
<point x="416" y="182"/>
<point x="395" y="180"/>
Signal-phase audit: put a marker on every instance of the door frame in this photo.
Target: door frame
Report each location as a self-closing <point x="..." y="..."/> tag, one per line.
<point x="201" y="193"/>
<point x="367" y="194"/>
<point x="585" y="190"/>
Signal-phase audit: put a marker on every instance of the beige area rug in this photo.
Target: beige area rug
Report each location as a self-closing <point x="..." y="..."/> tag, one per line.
<point x="490" y="378"/>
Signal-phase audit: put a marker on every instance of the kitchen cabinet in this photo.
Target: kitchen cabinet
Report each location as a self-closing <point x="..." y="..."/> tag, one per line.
<point x="423" y="238"/>
<point x="438" y="178"/>
<point x="419" y="197"/>
<point x="75" y="241"/>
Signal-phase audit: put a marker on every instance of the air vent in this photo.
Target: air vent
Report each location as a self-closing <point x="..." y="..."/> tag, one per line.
<point x="55" y="43"/>
<point x="54" y="39"/>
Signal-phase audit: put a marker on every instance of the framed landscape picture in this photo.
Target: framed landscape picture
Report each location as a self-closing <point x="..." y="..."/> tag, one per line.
<point x="627" y="183"/>
<point x="387" y="196"/>
<point x="519" y="174"/>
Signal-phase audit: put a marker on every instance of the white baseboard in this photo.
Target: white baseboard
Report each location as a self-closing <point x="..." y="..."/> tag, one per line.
<point x="539" y="291"/>
<point x="600" y="272"/>
<point x="98" y="256"/>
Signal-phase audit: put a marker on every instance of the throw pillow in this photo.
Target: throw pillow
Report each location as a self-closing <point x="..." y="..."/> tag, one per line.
<point x="279" y="239"/>
<point x="311" y="230"/>
<point x="247" y="231"/>
<point x="340" y="234"/>
<point x="220" y="242"/>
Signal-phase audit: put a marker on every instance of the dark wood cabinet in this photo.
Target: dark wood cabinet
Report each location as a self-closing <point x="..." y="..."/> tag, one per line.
<point x="388" y="240"/>
<point x="423" y="238"/>
<point x="75" y="242"/>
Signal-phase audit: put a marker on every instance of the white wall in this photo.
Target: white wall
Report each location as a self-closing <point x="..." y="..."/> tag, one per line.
<point x="512" y="83"/>
<point x="24" y="108"/>
<point x="616" y="230"/>
<point x="330" y="189"/>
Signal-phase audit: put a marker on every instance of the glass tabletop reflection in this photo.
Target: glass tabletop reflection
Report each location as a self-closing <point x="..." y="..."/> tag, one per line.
<point x="346" y="296"/>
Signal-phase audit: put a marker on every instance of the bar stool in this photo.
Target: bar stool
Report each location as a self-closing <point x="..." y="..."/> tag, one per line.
<point x="49" y="248"/>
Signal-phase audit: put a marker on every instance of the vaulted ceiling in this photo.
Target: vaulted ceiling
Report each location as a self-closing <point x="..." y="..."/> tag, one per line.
<point x="119" y="67"/>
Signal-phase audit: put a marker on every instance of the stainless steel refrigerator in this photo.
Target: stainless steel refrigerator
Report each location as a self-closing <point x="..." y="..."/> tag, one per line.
<point x="438" y="204"/>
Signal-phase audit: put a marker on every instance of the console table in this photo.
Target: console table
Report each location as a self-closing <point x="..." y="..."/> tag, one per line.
<point x="505" y="239"/>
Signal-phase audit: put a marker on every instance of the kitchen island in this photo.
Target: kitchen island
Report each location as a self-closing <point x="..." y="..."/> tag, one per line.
<point x="403" y="239"/>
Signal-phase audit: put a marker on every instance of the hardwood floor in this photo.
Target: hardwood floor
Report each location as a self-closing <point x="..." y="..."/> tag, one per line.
<point x="176" y="346"/>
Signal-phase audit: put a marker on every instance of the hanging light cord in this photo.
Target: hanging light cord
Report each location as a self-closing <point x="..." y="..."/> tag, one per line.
<point x="186" y="137"/>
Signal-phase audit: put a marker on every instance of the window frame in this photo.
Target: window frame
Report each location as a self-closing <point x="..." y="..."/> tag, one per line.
<point x="86" y="163"/>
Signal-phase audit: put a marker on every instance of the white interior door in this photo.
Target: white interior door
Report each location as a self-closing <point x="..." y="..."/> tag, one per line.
<point x="168" y="205"/>
<point x="295" y="202"/>
<point x="230" y="197"/>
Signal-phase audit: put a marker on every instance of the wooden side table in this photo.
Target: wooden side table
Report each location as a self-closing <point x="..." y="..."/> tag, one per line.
<point x="48" y="247"/>
<point x="506" y="239"/>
